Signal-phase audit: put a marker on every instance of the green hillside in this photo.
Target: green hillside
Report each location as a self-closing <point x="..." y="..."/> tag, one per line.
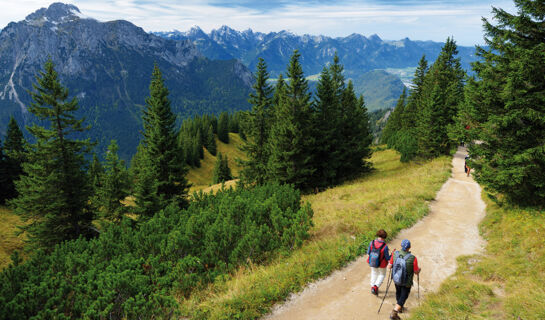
<point x="379" y="88"/>
<point x="201" y="177"/>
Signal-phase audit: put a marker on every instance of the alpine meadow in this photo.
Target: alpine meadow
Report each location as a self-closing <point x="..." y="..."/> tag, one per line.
<point x="272" y="173"/>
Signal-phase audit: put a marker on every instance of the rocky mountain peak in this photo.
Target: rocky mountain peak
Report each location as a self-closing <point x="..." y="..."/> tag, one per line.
<point x="56" y="13"/>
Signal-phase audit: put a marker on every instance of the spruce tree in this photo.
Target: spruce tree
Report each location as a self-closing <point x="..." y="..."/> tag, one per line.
<point x="222" y="172"/>
<point x="211" y="140"/>
<point x="506" y="105"/>
<point x="223" y="127"/>
<point x="414" y="101"/>
<point x="54" y="190"/>
<point x="115" y="186"/>
<point x="325" y="126"/>
<point x="356" y="135"/>
<point x="161" y="178"/>
<point x="290" y="139"/>
<point x="394" y="123"/>
<point x="442" y="90"/>
<point x="3" y="176"/>
<point x="14" y="156"/>
<point x="258" y="123"/>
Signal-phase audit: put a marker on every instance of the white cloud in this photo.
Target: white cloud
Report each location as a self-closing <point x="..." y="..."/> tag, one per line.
<point x="422" y="20"/>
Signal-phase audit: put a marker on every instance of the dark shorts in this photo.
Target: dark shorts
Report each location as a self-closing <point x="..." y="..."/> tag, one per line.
<point x="402" y="293"/>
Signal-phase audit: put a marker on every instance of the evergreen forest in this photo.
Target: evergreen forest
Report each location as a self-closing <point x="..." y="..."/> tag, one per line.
<point x="117" y="242"/>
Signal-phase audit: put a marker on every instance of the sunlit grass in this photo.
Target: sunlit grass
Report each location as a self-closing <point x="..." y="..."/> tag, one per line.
<point x="201" y="177"/>
<point x="9" y="242"/>
<point x="506" y="282"/>
<point x="393" y="196"/>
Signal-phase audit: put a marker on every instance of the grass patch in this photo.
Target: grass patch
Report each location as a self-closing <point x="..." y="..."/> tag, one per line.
<point x="9" y="242"/>
<point x="506" y="282"/>
<point x="201" y="177"/>
<point x="394" y="196"/>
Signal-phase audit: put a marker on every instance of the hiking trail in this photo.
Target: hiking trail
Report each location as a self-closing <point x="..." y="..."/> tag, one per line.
<point x="448" y="231"/>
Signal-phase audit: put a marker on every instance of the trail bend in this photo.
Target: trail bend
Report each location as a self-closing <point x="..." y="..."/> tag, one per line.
<point x="448" y="231"/>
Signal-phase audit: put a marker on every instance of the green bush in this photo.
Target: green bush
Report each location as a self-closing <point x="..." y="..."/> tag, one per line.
<point x="130" y="272"/>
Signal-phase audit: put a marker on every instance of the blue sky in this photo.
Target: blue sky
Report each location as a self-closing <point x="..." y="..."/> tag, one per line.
<point x="390" y="19"/>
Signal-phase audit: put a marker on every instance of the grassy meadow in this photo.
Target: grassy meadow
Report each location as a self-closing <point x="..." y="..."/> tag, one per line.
<point x="394" y="196"/>
<point x="507" y="281"/>
<point x="201" y="177"/>
<point x="9" y="242"/>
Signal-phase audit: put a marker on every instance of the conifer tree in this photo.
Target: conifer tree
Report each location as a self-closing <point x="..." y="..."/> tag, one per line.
<point x="161" y="178"/>
<point x="355" y="135"/>
<point x="505" y="105"/>
<point x="14" y="156"/>
<point x="211" y="140"/>
<point x="442" y="90"/>
<point x="55" y="163"/>
<point x="115" y="186"/>
<point x="223" y="127"/>
<point x="258" y="123"/>
<point x="290" y="139"/>
<point x="414" y="102"/>
<point x="222" y="172"/>
<point x="394" y="123"/>
<point x="325" y="126"/>
<point x="3" y="176"/>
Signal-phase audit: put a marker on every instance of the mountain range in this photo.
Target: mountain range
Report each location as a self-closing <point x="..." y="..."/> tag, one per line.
<point x="108" y="66"/>
<point x="357" y="53"/>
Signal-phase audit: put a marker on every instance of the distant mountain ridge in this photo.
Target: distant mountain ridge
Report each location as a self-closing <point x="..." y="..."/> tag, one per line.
<point x="108" y="66"/>
<point x="358" y="53"/>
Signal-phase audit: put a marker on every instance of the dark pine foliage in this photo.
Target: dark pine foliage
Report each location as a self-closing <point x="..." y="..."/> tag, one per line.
<point x="161" y="173"/>
<point x="505" y="106"/>
<point x="54" y="190"/>
<point x="258" y="123"/>
<point x="222" y="172"/>
<point x="135" y="272"/>
<point x="14" y="155"/>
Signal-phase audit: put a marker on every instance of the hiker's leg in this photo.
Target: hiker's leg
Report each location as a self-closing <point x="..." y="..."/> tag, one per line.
<point x="403" y="295"/>
<point x="398" y="292"/>
<point x="374" y="275"/>
<point x="380" y="277"/>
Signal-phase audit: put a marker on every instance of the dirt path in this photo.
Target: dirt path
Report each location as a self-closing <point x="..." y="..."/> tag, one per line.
<point x="450" y="230"/>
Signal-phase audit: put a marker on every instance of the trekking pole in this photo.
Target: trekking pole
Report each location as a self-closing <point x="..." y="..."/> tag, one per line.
<point x="385" y="293"/>
<point x="418" y="281"/>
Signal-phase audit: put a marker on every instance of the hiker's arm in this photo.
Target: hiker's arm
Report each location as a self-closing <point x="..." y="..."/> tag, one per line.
<point x="391" y="260"/>
<point x="416" y="269"/>
<point x="386" y="253"/>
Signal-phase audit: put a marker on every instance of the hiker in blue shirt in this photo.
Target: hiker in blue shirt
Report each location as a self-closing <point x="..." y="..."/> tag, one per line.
<point x="404" y="266"/>
<point x="378" y="257"/>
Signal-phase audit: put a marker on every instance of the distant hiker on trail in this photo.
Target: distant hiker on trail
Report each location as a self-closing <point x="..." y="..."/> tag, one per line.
<point x="378" y="257"/>
<point x="467" y="169"/>
<point x="404" y="265"/>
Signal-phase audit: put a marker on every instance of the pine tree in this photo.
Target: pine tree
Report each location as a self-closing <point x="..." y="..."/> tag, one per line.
<point x="506" y="105"/>
<point x="211" y="140"/>
<point x="115" y="186"/>
<point x="325" y="125"/>
<point x="3" y="176"/>
<point x="223" y="127"/>
<point x="161" y="178"/>
<point x="222" y="172"/>
<point x="258" y="123"/>
<point x="14" y="156"/>
<point x="55" y="163"/>
<point x="356" y="135"/>
<point x="442" y="90"/>
<point x="290" y="139"/>
<point x="414" y="101"/>
<point x="394" y="123"/>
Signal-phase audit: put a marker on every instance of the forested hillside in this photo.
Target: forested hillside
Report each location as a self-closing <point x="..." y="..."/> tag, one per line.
<point x="107" y="66"/>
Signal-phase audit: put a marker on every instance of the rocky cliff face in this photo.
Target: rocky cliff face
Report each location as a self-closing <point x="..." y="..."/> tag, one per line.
<point x="108" y="66"/>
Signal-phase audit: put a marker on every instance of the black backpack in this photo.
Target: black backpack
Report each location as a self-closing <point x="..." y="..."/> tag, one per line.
<point x="374" y="255"/>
